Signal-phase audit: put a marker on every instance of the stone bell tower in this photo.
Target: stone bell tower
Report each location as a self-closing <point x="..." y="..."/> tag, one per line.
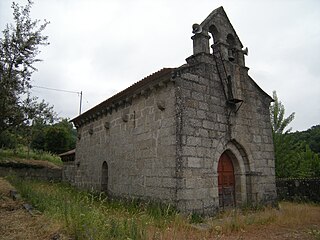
<point x="227" y="50"/>
<point x="225" y="39"/>
<point x="224" y="124"/>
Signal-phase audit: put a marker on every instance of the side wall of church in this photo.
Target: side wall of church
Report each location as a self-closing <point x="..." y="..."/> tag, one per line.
<point x="137" y="141"/>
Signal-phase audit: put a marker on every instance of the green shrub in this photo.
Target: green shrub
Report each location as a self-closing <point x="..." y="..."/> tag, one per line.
<point x="23" y="153"/>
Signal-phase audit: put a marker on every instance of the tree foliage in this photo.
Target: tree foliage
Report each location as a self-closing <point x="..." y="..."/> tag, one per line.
<point x="277" y="113"/>
<point x="24" y="119"/>
<point x="293" y="153"/>
<point x="56" y="138"/>
<point x="311" y="137"/>
<point x="60" y="137"/>
<point x="19" y="48"/>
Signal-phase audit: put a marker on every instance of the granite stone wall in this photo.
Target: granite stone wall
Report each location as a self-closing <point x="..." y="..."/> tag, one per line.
<point x="137" y="142"/>
<point x="298" y="189"/>
<point x="210" y="127"/>
<point x="33" y="173"/>
<point x="68" y="172"/>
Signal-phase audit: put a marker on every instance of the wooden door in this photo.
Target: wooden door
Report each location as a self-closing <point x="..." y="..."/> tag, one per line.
<point x="226" y="182"/>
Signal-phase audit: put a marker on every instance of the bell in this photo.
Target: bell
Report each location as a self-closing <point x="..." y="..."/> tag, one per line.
<point x="230" y="55"/>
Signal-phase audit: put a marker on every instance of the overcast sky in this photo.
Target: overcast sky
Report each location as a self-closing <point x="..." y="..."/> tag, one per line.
<point x="101" y="47"/>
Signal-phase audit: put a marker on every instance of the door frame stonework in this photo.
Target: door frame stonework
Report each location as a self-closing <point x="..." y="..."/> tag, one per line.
<point x="243" y="165"/>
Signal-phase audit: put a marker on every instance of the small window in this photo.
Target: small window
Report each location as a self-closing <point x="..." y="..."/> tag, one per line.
<point x="104" y="177"/>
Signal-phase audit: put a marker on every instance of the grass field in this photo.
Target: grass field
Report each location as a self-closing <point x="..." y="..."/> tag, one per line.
<point x="83" y="215"/>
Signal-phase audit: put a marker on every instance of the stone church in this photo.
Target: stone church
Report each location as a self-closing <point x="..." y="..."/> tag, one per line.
<point x="197" y="136"/>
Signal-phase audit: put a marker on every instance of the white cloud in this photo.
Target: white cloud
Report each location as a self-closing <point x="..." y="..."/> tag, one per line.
<point x="101" y="47"/>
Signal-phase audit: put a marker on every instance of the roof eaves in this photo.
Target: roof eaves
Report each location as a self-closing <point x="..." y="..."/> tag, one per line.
<point x="161" y="74"/>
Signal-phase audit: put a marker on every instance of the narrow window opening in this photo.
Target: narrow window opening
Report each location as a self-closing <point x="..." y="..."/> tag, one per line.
<point x="134" y="119"/>
<point x="215" y="36"/>
<point x="231" y="49"/>
<point x="104" y="177"/>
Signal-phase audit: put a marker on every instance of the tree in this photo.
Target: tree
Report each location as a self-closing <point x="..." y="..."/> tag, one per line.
<point x="283" y="145"/>
<point x="60" y="137"/>
<point x="57" y="138"/>
<point x="293" y="156"/>
<point x="310" y="136"/>
<point x="19" y="48"/>
<point x="278" y="121"/>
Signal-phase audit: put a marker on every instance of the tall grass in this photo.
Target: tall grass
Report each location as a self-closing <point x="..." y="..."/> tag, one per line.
<point x="23" y="153"/>
<point x="88" y="215"/>
<point x="235" y="220"/>
<point x="94" y="216"/>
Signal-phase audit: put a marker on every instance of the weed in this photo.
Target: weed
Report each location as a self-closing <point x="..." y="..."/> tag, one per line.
<point x="23" y="153"/>
<point x="315" y="233"/>
<point x="89" y="215"/>
<point x="196" y="218"/>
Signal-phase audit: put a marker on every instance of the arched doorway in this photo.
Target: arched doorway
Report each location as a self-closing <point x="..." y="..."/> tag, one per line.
<point x="226" y="182"/>
<point x="104" y="177"/>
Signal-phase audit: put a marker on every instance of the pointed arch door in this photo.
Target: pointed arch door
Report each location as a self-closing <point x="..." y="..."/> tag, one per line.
<point x="226" y="182"/>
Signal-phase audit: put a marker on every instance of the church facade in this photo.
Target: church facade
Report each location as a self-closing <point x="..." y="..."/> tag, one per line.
<point x="197" y="136"/>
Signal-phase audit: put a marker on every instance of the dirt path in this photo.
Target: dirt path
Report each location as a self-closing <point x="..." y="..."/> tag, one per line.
<point x="292" y="221"/>
<point x="17" y="223"/>
<point x="275" y="232"/>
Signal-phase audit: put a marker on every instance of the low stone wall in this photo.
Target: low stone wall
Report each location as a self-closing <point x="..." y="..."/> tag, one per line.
<point x="69" y="172"/>
<point x="299" y="189"/>
<point x="26" y="171"/>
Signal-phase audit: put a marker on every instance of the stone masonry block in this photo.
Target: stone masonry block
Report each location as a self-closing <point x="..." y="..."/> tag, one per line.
<point x="208" y="124"/>
<point x="190" y="112"/>
<point x="200" y="132"/>
<point x="199" y="88"/>
<point x="169" y="182"/>
<point x="204" y="106"/>
<point x="194" y="182"/>
<point x="194" y="162"/>
<point x="191" y="77"/>
<point x="189" y="151"/>
<point x="191" y="103"/>
<point x="197" y="96"/>
<point x="193" y="141"/>
<point x="201" y="114"/>
<point x="153" y="182"/>
<point x="257" y="139"/>
<point x="204" y="152"/>
<point x="194" y="205"/>
<point x="195" y="122"/>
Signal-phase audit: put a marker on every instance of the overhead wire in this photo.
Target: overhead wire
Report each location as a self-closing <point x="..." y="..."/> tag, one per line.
<point x="63" y="90"/>
<point x="55" y="89"/>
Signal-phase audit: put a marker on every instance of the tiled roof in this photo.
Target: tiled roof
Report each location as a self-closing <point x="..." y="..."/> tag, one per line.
<point x="163" y="74"/>
<point x="73" y="151"/>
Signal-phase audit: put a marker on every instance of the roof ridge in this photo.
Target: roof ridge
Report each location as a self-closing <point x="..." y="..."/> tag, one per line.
<point x="125" y="92"/>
